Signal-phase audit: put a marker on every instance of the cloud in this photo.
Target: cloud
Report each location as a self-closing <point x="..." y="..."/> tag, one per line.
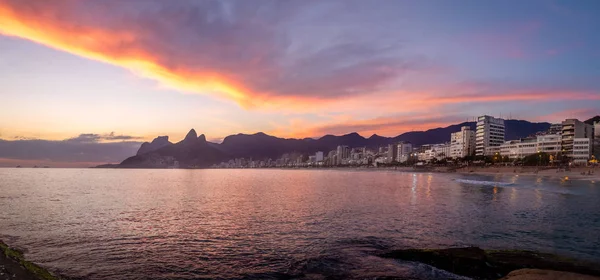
<point x="7" y="162"/>
<point x="387" y="126"/>
<point x="237" y="50"/>
<point x="95" y="138"/>
<point x="579" y="113"/>
<point x="79" y="151"/>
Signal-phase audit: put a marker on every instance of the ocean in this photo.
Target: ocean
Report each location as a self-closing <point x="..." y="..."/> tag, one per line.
<point x="283" y="224"/>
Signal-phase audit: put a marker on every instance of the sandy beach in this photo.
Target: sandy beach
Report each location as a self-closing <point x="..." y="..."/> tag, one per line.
<point x="577" y="173"/>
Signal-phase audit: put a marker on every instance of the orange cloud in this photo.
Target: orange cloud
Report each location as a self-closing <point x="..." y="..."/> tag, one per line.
<point x="581" y="114"/>
<point x="185" y="49"/>
<point x="248" y="68"/>
<point x="105" y="45"/>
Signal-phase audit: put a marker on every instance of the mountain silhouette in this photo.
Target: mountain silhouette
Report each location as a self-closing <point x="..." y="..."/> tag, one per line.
<point x="192" y="151"/>
<point x="593" y="120"/>
<point x="195" y="151"/>
<point x="157" y="143"/>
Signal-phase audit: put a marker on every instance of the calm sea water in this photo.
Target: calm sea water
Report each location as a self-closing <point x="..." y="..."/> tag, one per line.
<point x="278" y="224"/>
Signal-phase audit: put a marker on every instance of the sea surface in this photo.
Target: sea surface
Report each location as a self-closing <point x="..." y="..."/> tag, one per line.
<point x="283" y="224"/>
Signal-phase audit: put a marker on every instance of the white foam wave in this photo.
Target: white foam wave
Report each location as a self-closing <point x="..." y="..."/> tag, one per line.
<point x="484" y="183"/>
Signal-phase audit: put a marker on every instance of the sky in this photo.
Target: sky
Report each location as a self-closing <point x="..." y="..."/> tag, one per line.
<point x="110" y="74"/>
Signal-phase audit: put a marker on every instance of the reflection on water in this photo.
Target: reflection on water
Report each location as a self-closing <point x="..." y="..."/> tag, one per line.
<point x="257" y="224"/>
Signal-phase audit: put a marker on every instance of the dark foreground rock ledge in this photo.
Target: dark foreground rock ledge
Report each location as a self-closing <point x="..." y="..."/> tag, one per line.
<point x="492" y="264"/>
<point x="13" y="266"/>
<point x="539" y="274"/>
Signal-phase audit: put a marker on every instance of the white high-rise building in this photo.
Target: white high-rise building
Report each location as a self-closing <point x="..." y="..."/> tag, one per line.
<point x="462" y="143"/>
<point x="573" y="131"/>
<point x="343" y="154"/>
<point x="392" y="153"/>
<point x="404" y="150"/>
<point x="319" y="156"/>
<point x="490" y="134"/>
<point x="597" y="140"/>
<point x="582" y="150"/>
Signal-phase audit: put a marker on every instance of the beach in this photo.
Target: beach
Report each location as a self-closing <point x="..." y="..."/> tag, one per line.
<point x="576" y="173"/>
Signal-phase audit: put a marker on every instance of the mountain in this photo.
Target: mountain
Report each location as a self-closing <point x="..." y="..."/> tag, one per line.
<point x="157" y="143"/>
<point x="432" y="136"/>
<point x="593" y="120"/>
<point x="195" y="151"/>
<point x="192" y="151"/>
<point x="261" y="145"/>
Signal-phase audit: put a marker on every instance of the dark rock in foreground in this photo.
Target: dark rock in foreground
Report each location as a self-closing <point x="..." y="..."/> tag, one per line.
<point x="491" y="264"/>
<point x="538" y="274"/>
<point x="14" y="266"/>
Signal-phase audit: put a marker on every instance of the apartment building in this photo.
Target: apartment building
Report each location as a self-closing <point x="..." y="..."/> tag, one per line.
<point x="490" y="133"/>
<point x="462" y="143"/>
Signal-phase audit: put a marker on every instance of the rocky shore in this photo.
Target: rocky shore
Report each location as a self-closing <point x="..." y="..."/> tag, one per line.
<point x="472" y="262"/>
<point x="13" y="266"/>
<point x="500" y="264"/>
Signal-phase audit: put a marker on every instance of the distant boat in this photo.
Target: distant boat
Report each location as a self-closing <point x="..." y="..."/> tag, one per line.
<point x="18" y="166"/>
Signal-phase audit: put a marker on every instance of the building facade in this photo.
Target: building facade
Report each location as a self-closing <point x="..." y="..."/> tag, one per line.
<point x="518" y="149"/>
<point x="404" y="151"/>
<point x="392" y="152"/>
<point x="596" y="148"/>
<point x="572" y="130"/>
<point x="343" y="154"/>
<point x="490" y="133"/>
<point x="435" y="151"/>
<point x="550" y="144"/>
<point x="462" y="143"/>
<point x="582" y="150"/>
<point x="319" y="156"/>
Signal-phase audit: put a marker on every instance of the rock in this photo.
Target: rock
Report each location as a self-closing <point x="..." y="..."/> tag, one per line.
<point x="13" y="265"/>
<point x="539" y="274"/>
<point x="493" y="264"/>
<point x="470" y="261"/>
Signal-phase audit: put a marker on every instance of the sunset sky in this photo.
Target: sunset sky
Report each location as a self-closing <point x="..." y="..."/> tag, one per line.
<point x="132" y="70"/>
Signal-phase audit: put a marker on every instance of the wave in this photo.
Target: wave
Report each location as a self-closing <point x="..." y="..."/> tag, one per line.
<point x="483" y="183"/>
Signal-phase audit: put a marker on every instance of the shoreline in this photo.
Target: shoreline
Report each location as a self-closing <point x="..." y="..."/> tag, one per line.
<point x="547" y="172"/>
<point x="14" y="266"/>
<point x="577" y="173"/>
<point x="477" y="263"/>
<point x="472" y="262"/>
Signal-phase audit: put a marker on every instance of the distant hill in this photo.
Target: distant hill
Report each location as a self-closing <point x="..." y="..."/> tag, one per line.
<point x="593" y="120"/>
<point x="195" y="151"/>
